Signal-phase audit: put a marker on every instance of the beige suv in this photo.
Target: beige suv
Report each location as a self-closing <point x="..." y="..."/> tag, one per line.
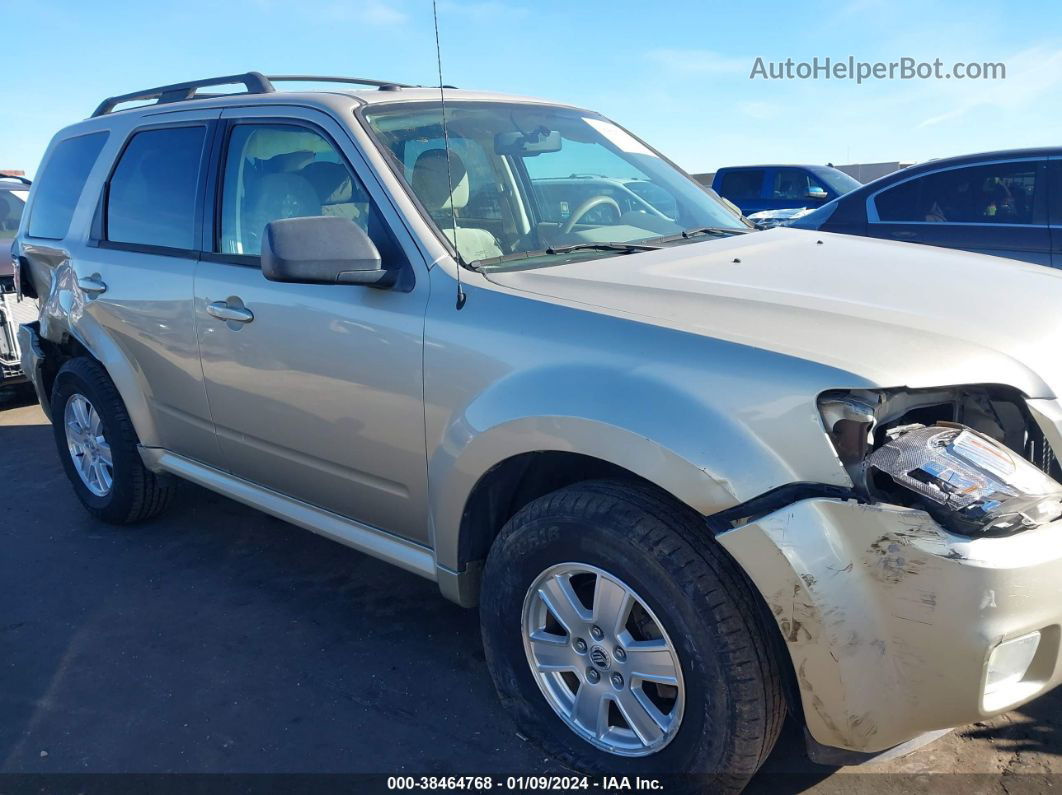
<point x="693" y="475"/>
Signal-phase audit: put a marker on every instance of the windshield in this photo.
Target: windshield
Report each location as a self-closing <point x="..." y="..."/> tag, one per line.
<point x="11" y="204"/>
<point x="523" y="179"/>
<point x="837" y="181"/>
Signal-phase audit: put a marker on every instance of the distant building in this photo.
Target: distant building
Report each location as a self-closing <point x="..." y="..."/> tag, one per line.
<point x="11" y="172"/>
<point x="868" y="172"/>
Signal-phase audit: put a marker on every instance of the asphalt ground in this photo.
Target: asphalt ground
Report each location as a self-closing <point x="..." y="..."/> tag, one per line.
<point x="216" y="639"/>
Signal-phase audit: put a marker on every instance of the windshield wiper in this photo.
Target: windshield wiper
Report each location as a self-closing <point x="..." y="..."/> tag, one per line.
<point x="624" y="248"/>
<point x="627" y="248"/>
<point x="697" y="231"/>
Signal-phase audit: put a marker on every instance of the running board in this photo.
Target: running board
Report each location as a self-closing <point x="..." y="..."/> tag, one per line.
<point x="362" y="537"/>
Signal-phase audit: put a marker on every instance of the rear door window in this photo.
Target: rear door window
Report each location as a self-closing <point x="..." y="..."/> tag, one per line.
<point x="996" y="193"/>
<point x="745" y="184"/>
<point x="59" y="186"/>
<point x="151" y="199"/>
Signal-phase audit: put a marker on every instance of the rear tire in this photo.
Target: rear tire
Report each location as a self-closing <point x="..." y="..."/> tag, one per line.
<point x="731" y="687"/>
<point x="91" y="427"/>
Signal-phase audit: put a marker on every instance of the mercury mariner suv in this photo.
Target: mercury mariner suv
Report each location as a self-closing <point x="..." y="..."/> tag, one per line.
<point x="694" y="475"/>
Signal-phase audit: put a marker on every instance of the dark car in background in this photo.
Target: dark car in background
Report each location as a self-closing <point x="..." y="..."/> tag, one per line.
<point x="13" y="193"/>
<point x="1006" y="204"/>
<point x="781" y="187"/>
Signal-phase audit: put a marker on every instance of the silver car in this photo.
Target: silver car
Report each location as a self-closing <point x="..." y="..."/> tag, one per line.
<point x="694" y="476"/>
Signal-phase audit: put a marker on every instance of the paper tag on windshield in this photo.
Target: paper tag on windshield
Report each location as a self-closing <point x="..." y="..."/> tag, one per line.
<point x="621" y="138"/>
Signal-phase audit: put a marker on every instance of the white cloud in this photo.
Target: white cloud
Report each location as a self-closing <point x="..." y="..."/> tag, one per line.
<point x="758" y="110"/>
<point x="1032" y="75"/>
<point x="700" y="62"/>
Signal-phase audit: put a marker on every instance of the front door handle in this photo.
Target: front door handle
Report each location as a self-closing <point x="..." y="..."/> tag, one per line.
<point x="92" y="285"/>
<point x="235" y="314"/>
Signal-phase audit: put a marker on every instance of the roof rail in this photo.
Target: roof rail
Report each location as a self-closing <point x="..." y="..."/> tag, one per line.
<point x="16" y="177"/>
<point x="385" y="85"/>
<point x="254" y="82"/>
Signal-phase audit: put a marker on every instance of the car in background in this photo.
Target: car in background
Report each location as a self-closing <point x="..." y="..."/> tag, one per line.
<point x="768" y="219"/>
<point x="13" y="311"/>
<point x="1004" y="203"/>
<point x="781" y="187"/>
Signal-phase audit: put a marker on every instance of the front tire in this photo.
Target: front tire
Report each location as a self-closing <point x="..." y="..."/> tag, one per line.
<point x="99" y="447"/>
<point x="689" y="643"/>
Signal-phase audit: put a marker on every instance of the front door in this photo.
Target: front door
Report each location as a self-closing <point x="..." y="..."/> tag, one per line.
<point x="317" y="391"/>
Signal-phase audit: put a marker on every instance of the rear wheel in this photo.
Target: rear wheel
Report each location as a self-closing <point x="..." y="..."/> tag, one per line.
<point x="624" y="641"/>
<point x="98" y="447"/>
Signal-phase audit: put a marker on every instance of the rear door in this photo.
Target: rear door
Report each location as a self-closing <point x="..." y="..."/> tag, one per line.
<point x="318" y="392"/>
<point x="997" y="208"/>
<point x="138" y="268"/>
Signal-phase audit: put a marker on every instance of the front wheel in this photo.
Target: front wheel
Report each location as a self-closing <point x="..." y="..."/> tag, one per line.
<point x="624" y="641"/>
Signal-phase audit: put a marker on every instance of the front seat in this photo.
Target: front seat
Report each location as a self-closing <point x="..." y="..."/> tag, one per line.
<point x="276" y="196"/>
<point x="432" y="185"/>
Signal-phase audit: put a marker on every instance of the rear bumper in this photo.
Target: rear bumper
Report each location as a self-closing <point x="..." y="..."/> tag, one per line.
<point x="33" y="362"/>
<point x="890" y="620"/>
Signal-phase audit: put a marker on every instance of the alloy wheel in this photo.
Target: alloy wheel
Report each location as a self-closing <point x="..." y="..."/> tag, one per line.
<point x="89" y="449"/>
<point x="603" y="660"/>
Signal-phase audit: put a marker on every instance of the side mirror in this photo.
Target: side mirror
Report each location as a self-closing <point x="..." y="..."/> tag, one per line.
<point x="816" y="193"/>
<point x="322" y="249"/>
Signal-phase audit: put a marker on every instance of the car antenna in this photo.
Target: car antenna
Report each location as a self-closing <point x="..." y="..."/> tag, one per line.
<point x="446" y="149"/>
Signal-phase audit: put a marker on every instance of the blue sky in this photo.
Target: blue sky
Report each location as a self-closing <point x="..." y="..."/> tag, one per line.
<point x="676" y="73"/>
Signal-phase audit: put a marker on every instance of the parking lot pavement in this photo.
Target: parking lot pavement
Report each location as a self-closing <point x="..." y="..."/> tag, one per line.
<point x="217" y="639"/>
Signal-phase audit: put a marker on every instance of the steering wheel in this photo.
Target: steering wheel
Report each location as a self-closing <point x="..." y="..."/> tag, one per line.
<point x="587" y="206"/>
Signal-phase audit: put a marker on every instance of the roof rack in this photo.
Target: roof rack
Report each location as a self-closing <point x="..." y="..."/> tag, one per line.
<point x="254" y="82"/>
<point x="383" y="85"/>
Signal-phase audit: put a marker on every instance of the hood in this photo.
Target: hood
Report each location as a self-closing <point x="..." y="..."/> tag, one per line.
<point x="894" y="314"/>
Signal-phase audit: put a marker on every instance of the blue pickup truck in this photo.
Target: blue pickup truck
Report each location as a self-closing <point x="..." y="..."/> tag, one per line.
<point x="781" y="187"/>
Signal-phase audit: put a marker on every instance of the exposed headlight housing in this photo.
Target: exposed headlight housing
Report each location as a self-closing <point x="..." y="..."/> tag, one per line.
<point x="970" y="483"/>
<point x="971" y="456"/>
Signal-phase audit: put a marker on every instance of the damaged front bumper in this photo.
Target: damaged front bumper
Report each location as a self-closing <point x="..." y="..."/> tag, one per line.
<point x="897" y="627"/>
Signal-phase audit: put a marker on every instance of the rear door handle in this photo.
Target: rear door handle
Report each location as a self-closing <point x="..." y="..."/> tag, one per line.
<point x="92" y="284"/>
<point x="905" y="234"/>
<point x="236" y="314"/>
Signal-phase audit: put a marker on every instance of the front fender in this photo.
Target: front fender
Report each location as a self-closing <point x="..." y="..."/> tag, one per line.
<point x="635" y="421"/>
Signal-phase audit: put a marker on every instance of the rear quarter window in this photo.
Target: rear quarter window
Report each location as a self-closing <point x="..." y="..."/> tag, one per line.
<point x="58" y="188"/>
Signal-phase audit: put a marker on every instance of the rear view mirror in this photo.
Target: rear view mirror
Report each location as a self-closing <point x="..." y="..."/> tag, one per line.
<point x="524" y="144"/>
<point x="321" y="250"/>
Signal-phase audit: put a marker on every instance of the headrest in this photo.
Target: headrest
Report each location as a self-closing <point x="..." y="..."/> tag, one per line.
<point x="331" y="181"/>
<point x="432" y="184"/>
